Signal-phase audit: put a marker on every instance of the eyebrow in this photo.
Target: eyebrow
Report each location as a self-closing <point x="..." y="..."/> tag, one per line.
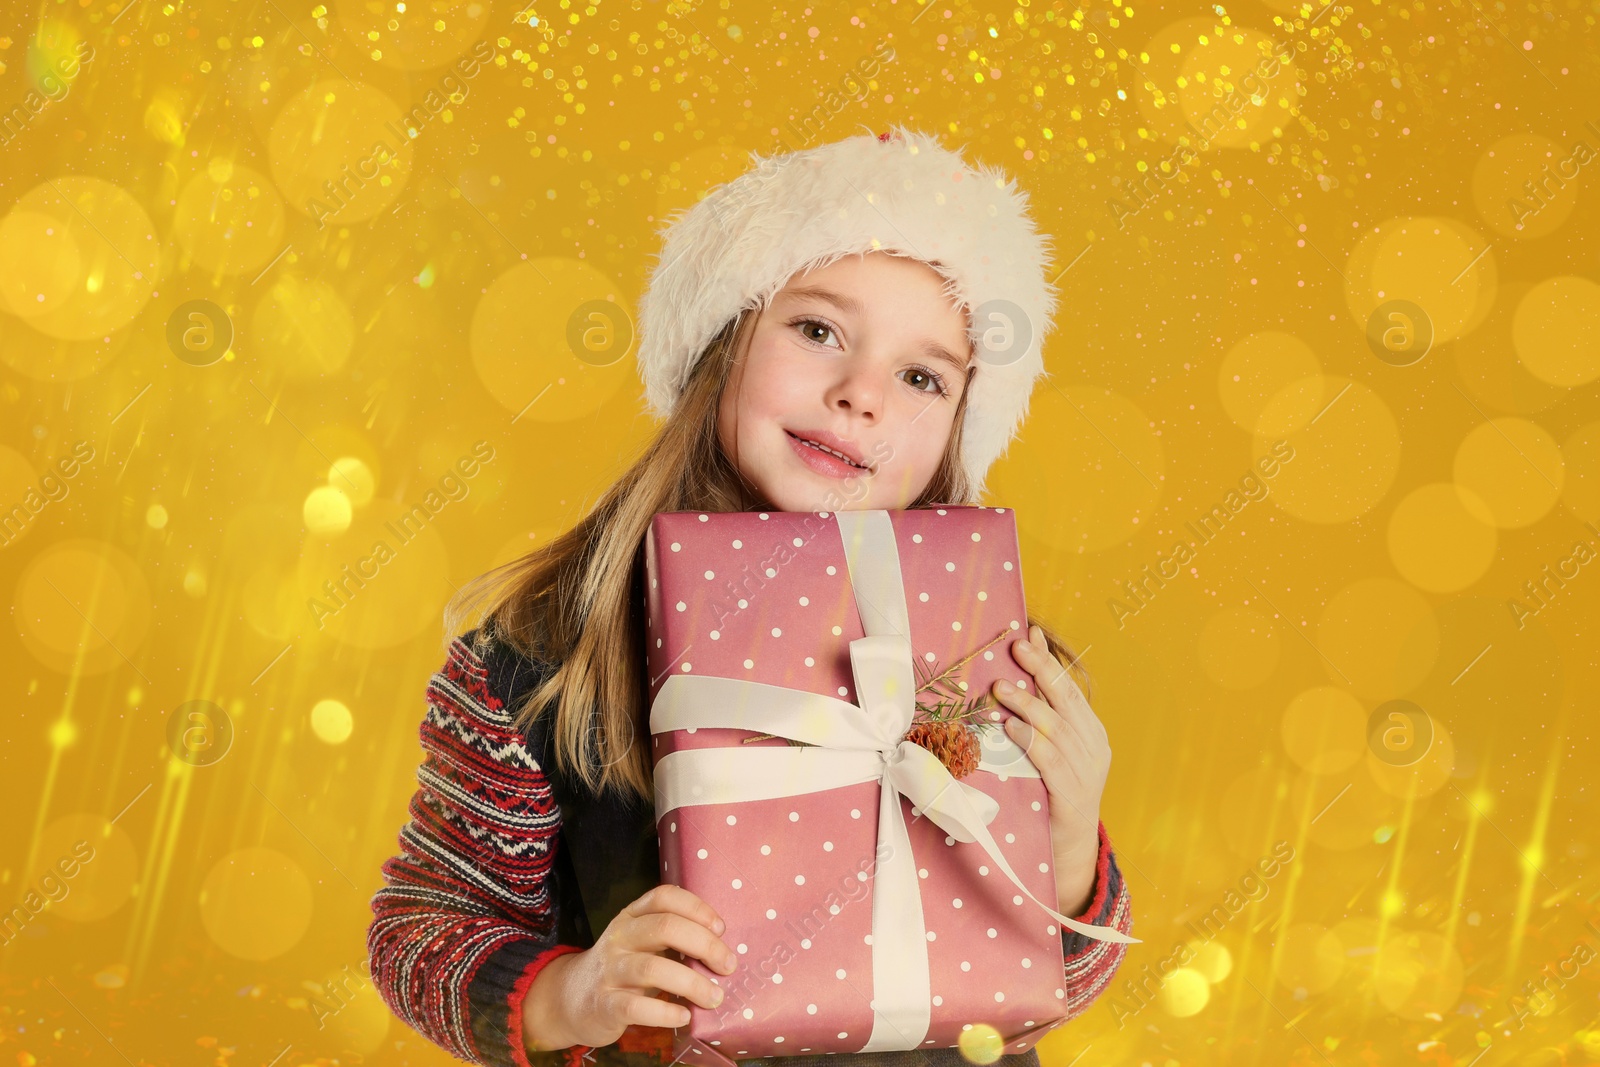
<point x="849" y="304"/>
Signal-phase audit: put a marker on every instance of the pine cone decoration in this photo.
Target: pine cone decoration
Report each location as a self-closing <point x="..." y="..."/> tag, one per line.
<point x="953" y="742"/>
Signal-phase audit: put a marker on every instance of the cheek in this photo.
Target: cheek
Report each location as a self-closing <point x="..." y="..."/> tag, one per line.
<point x="923" y="439"/>
<point x="756" y="397"/>
<point x="771" y="388"/>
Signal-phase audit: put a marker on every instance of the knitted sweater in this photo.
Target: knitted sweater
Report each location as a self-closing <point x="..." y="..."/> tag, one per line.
<point x="481" y="897"/>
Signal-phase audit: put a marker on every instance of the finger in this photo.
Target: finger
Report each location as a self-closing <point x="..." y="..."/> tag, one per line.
<point x="1027" y="728"/>
<point x="1035" y="710"/>
<point x="1076" y="703"/>
<point x="633" y="1008"/>
<point x="1060" y="689"/>
<point x="660" y="931"/>
<point x="1051" y="676"/>
<point x="1060" y="740"/>
<point x="679" y="901"/>
<point x="1058" y="769"/>
<point x="643" y="970"/>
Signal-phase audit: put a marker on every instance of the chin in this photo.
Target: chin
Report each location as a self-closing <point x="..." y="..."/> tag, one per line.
<point x="805" y="500"/>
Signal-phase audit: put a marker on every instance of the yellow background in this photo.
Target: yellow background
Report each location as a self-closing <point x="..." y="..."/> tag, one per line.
<point x="1423" y="152"/>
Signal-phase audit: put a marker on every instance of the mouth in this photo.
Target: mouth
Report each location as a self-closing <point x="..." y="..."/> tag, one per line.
<point x="835" y="459"/>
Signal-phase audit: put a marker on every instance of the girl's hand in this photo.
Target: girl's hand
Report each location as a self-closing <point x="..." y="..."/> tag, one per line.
<point x="603" y="990"/>
<point x="1068" y="744"/>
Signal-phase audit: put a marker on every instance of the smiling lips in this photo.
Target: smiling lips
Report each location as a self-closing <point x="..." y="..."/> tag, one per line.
<point x="826" y="454"/>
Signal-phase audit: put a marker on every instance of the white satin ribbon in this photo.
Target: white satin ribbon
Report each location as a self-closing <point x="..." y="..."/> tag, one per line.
<point x="851" y="744"/>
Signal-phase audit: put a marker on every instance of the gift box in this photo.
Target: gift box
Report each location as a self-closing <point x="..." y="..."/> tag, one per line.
<point x="833" y="778"/>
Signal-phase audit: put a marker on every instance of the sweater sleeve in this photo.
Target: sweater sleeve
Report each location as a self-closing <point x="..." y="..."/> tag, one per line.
<point x="466" y="918"/>
<point x="1090" y="964"/>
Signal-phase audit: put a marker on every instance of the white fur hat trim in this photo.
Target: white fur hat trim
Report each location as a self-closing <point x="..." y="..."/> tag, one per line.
<point x="902" y="193"/>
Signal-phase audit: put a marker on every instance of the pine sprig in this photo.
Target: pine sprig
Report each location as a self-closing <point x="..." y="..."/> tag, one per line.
<point x="953" y="710"/>
<point x="944" y="683"/>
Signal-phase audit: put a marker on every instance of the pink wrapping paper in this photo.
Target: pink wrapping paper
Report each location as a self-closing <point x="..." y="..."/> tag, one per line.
<point x="766" y="597"/>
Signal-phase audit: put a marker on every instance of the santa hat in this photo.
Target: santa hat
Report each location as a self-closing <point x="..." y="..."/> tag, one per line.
<point x="900" y="192"/>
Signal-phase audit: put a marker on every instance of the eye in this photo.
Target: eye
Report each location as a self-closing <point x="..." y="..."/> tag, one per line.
<point x="806" y="327"/>
<point x="923" y="380"/>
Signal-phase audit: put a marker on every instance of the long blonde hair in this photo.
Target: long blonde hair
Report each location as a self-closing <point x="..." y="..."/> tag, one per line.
<point x="577" y="603"/>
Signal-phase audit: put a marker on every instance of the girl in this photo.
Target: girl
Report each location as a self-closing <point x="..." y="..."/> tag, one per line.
<point x="821" y="334"/>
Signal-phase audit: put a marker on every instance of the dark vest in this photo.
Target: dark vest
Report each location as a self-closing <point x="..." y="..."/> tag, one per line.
<point x="608" y="855"/>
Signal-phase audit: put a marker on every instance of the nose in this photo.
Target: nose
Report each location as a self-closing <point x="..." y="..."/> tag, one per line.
<point x="858" y="391"/>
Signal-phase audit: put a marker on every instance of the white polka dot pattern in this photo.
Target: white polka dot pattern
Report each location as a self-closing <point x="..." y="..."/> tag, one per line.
<point x="766" y="598"/>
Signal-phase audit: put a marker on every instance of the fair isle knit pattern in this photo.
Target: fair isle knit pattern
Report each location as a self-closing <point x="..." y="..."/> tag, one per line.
<point x="465" y="919"/>
<point x="470" y="883"/>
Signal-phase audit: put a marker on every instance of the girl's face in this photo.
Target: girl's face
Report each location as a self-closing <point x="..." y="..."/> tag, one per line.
<point x="846" y="393"/>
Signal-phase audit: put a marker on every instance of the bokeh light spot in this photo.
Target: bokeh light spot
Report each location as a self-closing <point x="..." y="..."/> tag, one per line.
<point x="1379" y="636"/>
<point x="1556" y="330"/>
<point x="1184" y="992"/>
<point x="1324" y="730"/>
<point x="332" y="722"/>
<point x="327" y="511"/>
<point x="1514" y="467"/>
<point x="256" y="903"/>
<point x="1442" y="537"/>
